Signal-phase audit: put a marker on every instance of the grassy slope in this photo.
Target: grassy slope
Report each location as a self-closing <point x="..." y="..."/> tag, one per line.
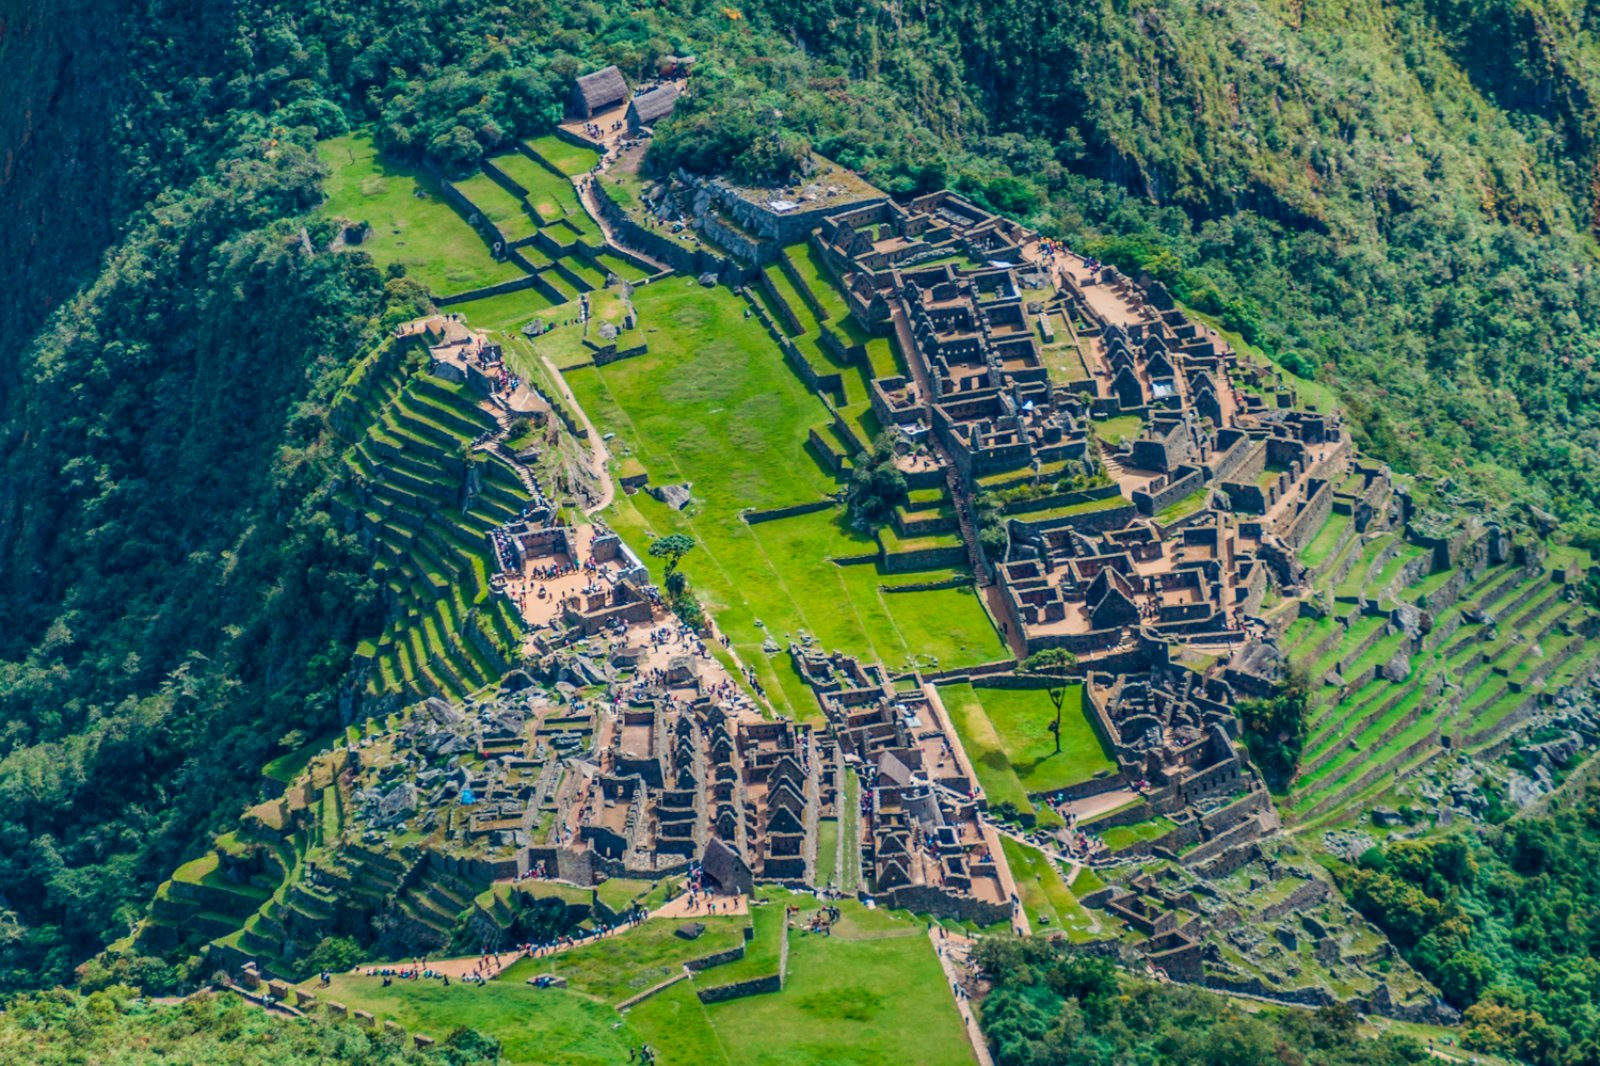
<point x="535" y="1027"/>
<point x="1006" y="734"/>
<point x="715" y="405"/>
<point x="423" y="233"/>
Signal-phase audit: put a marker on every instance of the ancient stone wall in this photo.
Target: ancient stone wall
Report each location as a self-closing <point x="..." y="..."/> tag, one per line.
<point x="1184" y="480"/>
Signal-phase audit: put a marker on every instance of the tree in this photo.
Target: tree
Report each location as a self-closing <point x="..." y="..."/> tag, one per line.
<point x="1048" y="661"/>
<point x="1275" y="730"/>
<point x="877" y="485"/>
<point x="672" y="547"/>
<point x="991" y="523"/>
<point x="333" y="954"/>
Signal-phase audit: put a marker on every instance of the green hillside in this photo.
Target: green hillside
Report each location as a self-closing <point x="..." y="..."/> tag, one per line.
<point x="235" y="511"/>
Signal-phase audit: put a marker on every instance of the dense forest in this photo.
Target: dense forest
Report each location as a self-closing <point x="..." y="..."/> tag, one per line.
<point x="1508" y="927"/>
<point x="1395" y="198"/>
<point x="1050" y="1006"/>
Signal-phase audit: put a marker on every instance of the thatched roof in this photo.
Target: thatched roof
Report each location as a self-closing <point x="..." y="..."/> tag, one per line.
<point x="602" y="89"/>
<point x="654" y="105"/>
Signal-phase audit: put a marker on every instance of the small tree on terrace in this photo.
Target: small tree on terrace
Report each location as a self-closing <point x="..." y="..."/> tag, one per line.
<point x="1051" y="661"/>
<point x="1275" y="729"/>
<point x="1048" y="661"/>
<point x="672" y="548"/>
<point x="876" y="487"/>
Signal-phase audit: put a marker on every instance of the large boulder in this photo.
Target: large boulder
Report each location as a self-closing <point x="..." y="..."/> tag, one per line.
<point x="1398" y="668"/>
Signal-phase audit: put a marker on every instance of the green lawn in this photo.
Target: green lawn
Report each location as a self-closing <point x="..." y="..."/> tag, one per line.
<point x="714" y="404"/>
<point x="1006" y="731"/>
<point x="827" y="850"/>
<point x="1182" y="508"/>
<point x="1050" y="904"/>
<point x="871" y="993"/>
<point x="1118" y="429"/>
<point x="568" y="158"/>
<point x="411" y="223"/>
<point x="535" y="1027"/>
<point x="507" y="312"/>
<point x="1121" y="836"/>
<point x="621" y="966"/>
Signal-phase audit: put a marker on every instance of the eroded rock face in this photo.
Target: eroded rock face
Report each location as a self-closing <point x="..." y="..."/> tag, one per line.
<point x="1408" y="618"/>
<point x="1398" y="668"/>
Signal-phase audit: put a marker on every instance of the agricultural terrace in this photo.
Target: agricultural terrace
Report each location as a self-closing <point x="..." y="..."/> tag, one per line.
<point x="1048" y="901"/>
<point x="714" y="404"/>
<point x="1006" y="734"/>
<point x="1497" y="643"/>
<point x="411" y="222"/>
<point x="871" y="992"/>
<point x="535" y="1026"/>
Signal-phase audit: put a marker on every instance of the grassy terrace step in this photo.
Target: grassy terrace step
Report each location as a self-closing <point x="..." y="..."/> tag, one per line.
<point x="1307" y="634"/>
<point x="1580" y="663"/>
<point x="784" y="289"/>
<point x="1363" y="734"/>
<point x="1379" y="654"/>
<point x="497" y="204"/>
<point x="1350" y="771"/>
<point x="560" y="284"/>
<point x="1329" y="713"/>
<point x="1553" y="646"/>
<point x="1359" y="630"/>
<point x="1375" y="789"/>
<point x="1355" y="581"/>
<point x="1390" y="570"/>
<point x="596" y="279"/>
<point x="441" y="473"/>
<point x="427" y="494"/>
<point x="413" y="420"/>
<point x="1322" y="546"/>
<point x="1429" y="585"/>
<point x="807" y="262"/>
<point x="1503" y="591"/>
<point x="448" y="413"/>
<point x="1527" y="615"/>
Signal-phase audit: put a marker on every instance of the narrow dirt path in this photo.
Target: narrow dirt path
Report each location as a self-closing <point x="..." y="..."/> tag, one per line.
<point x="599" y="458"/>
<point x="952" y="949"/>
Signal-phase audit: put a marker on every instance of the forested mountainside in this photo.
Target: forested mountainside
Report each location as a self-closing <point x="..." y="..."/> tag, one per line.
<point x="1396" y="199"/>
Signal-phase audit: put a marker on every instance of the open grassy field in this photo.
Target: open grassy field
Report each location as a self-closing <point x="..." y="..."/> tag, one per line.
<point x="714" y="404"/>
<point x="1007" y="736"/>
<point x="535" y="1026"/>
<point x="506" y="312"/>
<point x="1049" y="902"/>
<point x="568" y="158"/>
<point x="871" y="993"/>
<point x="411" y="223"/>
<point x="618" y="967"/>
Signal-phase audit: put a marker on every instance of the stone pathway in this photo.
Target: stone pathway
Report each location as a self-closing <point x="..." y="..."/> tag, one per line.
<point x="599" y="458"/>
<point x="952" y="950"/>
<point x="590" y="202"/>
